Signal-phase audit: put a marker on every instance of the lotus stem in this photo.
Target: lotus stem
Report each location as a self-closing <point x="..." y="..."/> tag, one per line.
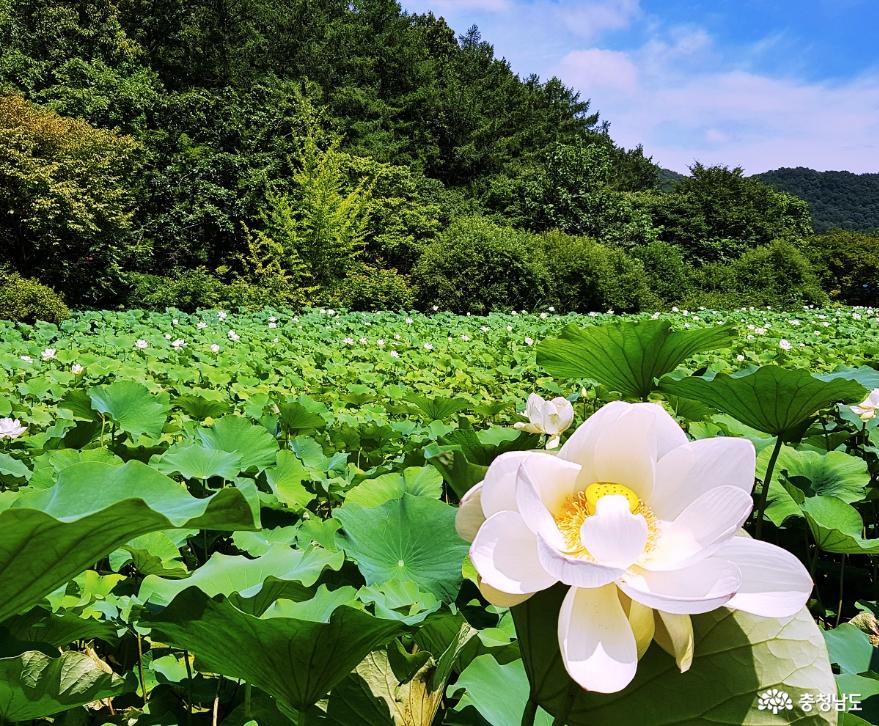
<point x="529" y="713"/>
<point x="764" y="492"/>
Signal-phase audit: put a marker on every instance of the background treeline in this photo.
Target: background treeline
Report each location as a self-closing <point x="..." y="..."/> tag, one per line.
<point x="244" y="152"/>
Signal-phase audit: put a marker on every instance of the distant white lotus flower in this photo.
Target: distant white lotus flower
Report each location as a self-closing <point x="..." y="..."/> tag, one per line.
<point x="167" y="336"/>
<point x="141" y="344"/>
<point x="866" y="409"/>
<point x="529" y="341"/>
<point x="201" y="325"/>
<point x="348" y="341"/>
<point x="465" y="338"/>
<point x="215" y="348"/>
<point x="544" y="316"/>
<point x="394" y="354"/>
<point x="428" y="346"/>
<point x="380" y="342"/>
<point x="11" y="428"/>
<point x="740" y="357"/>
<point x="179" y="343"/>
<point x="641" y="524"/>
<point x="409" y="321"/>
<point x="76" y="369"/>
<point x="272" y="319"/>
<point x="547" y="417"/>
<point x="551" y="309"/>
<point x="273" y="325"/>
<point x="362" y="341"/>
<point x="48" y="354"/>
<point x="221" y="314"/>
<point x="233" y="336"/>
<point x="27" y="359"/>
<point x="784" y="344"/>
<point x="435" y="308"/>
<point x="175" y="321"/>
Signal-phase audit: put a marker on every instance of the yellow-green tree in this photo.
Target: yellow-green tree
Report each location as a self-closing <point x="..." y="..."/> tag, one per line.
<point x="65" y="205"/>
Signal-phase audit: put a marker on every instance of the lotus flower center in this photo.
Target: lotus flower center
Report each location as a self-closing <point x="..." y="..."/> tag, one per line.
<point x="582" y="505"/>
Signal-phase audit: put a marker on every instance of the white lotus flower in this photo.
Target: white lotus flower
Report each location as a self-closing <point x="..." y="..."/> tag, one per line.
<point x="529" y="341"/>
<point x="48" y="354"/>
<point x="428" y="346"/>
<point x="641" y="524"/>
<point x="215" y="348"/>
<point x="866" y="409"/>
<point x="141" y="344"/>
<point x="221" y="314"/>
<point x="76" y="369"/>
<point x="179" y="343"/>
<point x="11" y="428"/>
<point x="784" y="344"/>
<point x="201" y="325"/>
<point x="27" y="359"/>
<point x="233" y="336"/>
<point x="547" y="417"/>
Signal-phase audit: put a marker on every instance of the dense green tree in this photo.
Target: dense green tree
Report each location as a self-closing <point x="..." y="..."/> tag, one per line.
<point x="847" y="263"/>
<point x="718" y="213"/>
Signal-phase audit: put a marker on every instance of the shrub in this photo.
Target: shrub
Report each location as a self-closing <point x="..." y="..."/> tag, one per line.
<point x="847" y="264"/>
<point x="668" y="274"/>
<point x="373" y="288"/>
<point x="778" y="274"/>
<point x="187" y="290"/>
<point x="26" y="300"/>
<point x="477" y="266"/>
<point x="584" y="275"/>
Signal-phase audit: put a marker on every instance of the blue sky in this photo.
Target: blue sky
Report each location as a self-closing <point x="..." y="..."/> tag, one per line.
<point x="755" y="83"/>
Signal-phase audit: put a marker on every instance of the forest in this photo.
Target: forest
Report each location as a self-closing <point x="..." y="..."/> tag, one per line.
<point x="245" y="152"/>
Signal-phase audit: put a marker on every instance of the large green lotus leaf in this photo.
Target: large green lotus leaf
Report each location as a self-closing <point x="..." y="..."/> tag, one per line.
<point x="436" y="408"/>
<point x="737" y="656"/>
<point x="227" y="574"/>
<point x="850" y="648"/>
<point x="235" y="434"/>
<point x="410" y="538"/>
<point x="40" y="626"/>
<point x="34" y="685"/>
<point x="302" y="414"/>
<point x="51" y="535"/>
<point x="201" y="407"/>
<point x="418" y="480"/>
<point x="192" y="461"/>
<point x="498" y="692"/>
<point x="297" y="661"/>
<point x="156" y="553"/>
<point x="131" y="407"/>
<point x="627" y="357"/>
<point x="829" y="474"/>
<point x="771" y="399"/>
<point x="285" y="480"/>
<point x="13" y="467"/>
<point x="837" y="527"/>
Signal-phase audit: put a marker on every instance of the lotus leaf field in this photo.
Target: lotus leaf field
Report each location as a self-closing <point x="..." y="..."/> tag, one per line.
<point x="250" y="518"/>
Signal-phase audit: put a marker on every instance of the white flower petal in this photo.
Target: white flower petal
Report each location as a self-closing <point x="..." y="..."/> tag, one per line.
<point x="700" y="529"/>
<point x="688" y="471"/>
<point x="499" y="485"/>
<point x="499" y="598"/>
<point x="774" y="582"/>
<point x="580" y="446"/>
<point x="596" y="641"/>
<point x="613" y="535"/>
<point x="642" y="620"/>
<point x="674" y="634"/>
<point x="544" y="483"/>
<point x="699" y="588"/>
<point x="504" y="554"/>
<point x="625" y="452"/>
<point x="574" y="571"/>
<point x="469" y="517"/>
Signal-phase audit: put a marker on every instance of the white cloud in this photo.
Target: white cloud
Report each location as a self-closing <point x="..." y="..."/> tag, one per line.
<point x="439" y="7"/>
<point x="672" y="96"/>
<point x="592" y="19"/>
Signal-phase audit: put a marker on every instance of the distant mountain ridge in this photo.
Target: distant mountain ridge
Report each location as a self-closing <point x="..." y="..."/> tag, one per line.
<point x="838" y="199"/>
